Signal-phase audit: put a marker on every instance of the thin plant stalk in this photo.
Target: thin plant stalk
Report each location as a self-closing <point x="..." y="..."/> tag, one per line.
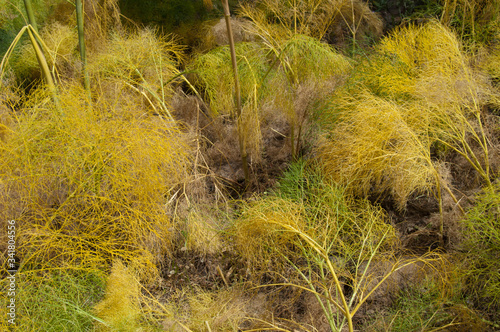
<point x="81" y="42"/>
<point x="44" y="67"/>
<point x="343" y="306"/>
<point x="31" y="15"/>
<point x="241" y="134"/>
<point x="41" y="60"/>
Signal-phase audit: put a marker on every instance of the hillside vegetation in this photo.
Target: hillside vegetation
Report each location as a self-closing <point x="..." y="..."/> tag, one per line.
<point x="333" y="169"/>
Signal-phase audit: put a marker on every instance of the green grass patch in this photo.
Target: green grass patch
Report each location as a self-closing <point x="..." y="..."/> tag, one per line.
<point x="57" y="300"/>
<point x="482" y="244"/>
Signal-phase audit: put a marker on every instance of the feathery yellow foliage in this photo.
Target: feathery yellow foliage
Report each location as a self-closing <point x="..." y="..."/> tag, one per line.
<point x="379" y="146"/>
<point x="202" y="235"/>
<point x="412" y="54"/>
<point x="120" y="308"/>
<point x="447" y="88"/>
<point x="196" y="308"/>
<point x="435" y="67"/>
<point x="271" y="225"/>
<point x="427" y="93"/>
<point x="139" y="64"/>
<point x="492" y="64"/>
<point x="312" y="236"/>
<point x="431" y="48"/>
<point x="304" y="62"/>
<point x="304" y="58"/>
<point x="216" y="77"/>
<point x="91" y="185"/>
<point x="259" y="231"/>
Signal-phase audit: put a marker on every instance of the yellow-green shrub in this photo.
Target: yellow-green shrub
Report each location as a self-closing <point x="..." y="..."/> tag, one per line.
<point x="306" y="202"/>
<point x="303" y="58"/>
<point x="411" y="54"/>
<point x="492" y="64"/>
<point x="421" y="91"/>
<point x="217" y="81"/>
<point x="140" y="65"/>
<point x="428" y="48"/>
<point x="202" y="233"/>
<point x="379" y="147"/>
<point x="447" y="88"/>
<point x="91" y="185"/>
<point x="312" y="236"/>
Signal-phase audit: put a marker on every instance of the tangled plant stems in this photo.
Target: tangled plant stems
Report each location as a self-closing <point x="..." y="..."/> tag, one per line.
<point x="329" y="239"/>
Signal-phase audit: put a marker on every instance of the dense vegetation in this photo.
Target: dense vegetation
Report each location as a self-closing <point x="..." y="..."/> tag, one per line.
<point x="333" y="169"/>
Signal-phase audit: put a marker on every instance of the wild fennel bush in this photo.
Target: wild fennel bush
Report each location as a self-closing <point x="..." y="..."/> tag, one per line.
<point x="418" y="90"/>
<point x="314" y="206"/>
<point x="215" y="76"/>
<point x="90" y="184"/>
<point x="328" y="239"/>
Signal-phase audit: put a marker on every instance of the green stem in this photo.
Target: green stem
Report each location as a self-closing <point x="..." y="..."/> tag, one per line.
<point x="81" y="41"/>
<point x="31" y="16"/>
<point x="244" y="158"/>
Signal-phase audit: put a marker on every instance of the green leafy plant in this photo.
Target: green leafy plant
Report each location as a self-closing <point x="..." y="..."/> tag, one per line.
<point x="56" y="300"/>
